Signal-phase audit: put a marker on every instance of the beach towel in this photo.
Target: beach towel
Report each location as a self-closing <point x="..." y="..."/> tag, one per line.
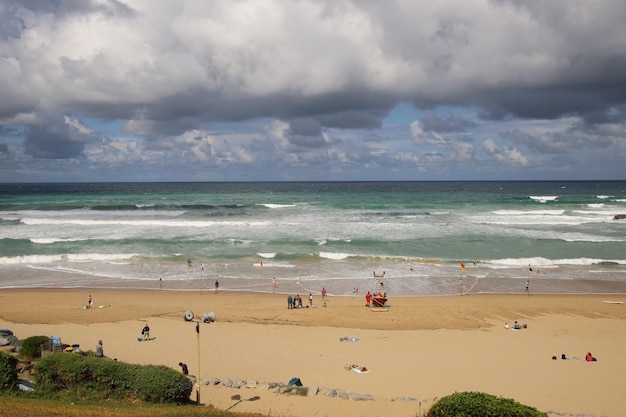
<point x="356" y="368"/>
<point x="348" y="339"/>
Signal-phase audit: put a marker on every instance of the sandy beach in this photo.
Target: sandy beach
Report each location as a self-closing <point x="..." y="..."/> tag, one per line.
<point x="420" y="349"/>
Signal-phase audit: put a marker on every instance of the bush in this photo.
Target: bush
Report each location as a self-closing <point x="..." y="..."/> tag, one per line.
<point x="31" y="347"/>
<point x="8" y="373"/>
<point x="160" y="384"/>
<point x="477" y="404"/>
<point x="85" y="375"/>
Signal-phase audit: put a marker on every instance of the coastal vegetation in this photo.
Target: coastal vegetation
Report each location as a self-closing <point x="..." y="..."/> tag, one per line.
<point x="83" y="374"/>
<point x="478" y="404"/>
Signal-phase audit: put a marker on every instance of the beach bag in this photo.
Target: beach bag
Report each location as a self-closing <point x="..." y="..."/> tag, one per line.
<point x="295" y="381"/>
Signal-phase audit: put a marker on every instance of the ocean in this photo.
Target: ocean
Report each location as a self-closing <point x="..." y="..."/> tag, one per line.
<point x="425" y="238"/>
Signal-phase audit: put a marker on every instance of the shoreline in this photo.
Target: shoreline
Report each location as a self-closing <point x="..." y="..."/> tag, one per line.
<point x="421" y="349"/>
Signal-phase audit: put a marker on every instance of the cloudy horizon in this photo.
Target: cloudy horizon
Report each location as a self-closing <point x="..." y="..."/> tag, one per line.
<point x="138" y="90"/>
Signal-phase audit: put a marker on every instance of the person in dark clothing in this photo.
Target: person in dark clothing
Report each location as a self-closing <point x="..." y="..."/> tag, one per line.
<point x="184" y="368"/>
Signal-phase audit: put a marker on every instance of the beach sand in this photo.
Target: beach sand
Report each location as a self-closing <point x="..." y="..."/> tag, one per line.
<point x="421" y="349"/>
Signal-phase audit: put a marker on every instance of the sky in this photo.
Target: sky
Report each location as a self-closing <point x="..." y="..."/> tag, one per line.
<point x="324" y="90"/>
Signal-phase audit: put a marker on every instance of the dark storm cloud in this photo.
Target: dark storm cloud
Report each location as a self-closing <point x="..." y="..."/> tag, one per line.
<point x="57" y="138"/>
<point x="451" y="59"/>
<point x="309" y="72"/>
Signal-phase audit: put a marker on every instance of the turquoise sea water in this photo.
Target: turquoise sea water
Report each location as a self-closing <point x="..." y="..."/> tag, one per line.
<point x="310" y="235"/>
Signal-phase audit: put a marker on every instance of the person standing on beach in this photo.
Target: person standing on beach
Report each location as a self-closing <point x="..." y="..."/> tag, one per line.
<point x="217" y="286"/>
<point x="99" y="350"/>
<point x="323" y="293"/>
<point x="89" y="301"/>
<point x="146" y="332"/>
<point x="310" y="299"/>
<point x="289" y="302"/>
<point x="527" y="285"/>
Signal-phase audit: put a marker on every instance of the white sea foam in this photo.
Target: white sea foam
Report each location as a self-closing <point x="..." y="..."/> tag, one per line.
<point x="47" y="241"/>
<point x="273" y="264"/>
<point x="549" y="263"/>
<point x="77" y="257"/>
<point x="543" y="198"/>
<point x="276" y="206"/>
<point x="142" y="223"/>
<point x="604" y="197"/>
<point x="529" y="212"/>
<point x="330" y="255"/>
<point x="267" y="255"/>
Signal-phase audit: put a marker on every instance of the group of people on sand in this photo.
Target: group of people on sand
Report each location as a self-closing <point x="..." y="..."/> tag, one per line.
<point x="516" y="326"/>
<point x="296" y="302"/>
<point x="588" y="357"/>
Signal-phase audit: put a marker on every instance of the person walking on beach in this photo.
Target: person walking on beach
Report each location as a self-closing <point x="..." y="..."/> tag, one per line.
<point x="527" y="285"/>
<point x="274" y="284"/>
<point x="89" y="301"/>
<point x="289" y="302"/>
<point x="217" y="286"/>
<point x="146" y="332"/>
<point x="323" y="293"/>
<point x="368" y="299"/>
<point x="310" y="300"/>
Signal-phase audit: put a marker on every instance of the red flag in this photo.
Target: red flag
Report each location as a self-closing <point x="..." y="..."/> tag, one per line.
<point x="462" y="267"/>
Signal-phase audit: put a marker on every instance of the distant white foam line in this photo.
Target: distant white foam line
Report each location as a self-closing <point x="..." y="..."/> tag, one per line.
<point x="587" y="261"/>
<point x="267" y="255"/>
<point x="529" y="212"/>
<point x="46" y="241"/>
<point x="546" y="263"/>
<point x="273" y="265"/>
<point x="591" y="238"/>
<point x="276" y="206"/>
<point x="604" y="213"/>
<point x="543" y="198"/>
<point x="81" y="257"/>
<point x="526" y="219"/>
<point x="621" y="200"/>
<point x="336" y="256"/>
<point x="163" y="223"/>
<point x="604" y="197"/>
<point x="596" y="205"/>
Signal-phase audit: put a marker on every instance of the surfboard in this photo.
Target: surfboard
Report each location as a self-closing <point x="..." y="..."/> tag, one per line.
<point x="612" y="302"/>
<point x="104" y="306"/>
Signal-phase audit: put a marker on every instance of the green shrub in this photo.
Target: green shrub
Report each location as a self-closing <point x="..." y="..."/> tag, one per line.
<point x="477" y="404"/>
<point x="160" y="384"/>
<point x="86" y="376"/>
<point x="8" y="373"/>
<point x="31" y="347"/>
<point x="84" y="373"/>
